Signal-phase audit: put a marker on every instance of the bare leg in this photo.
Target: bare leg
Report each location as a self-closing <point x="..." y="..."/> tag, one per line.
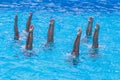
<point x="89" y="27"/>
<point x="75" y="50"/>
<point x="29" y="41"/>
<point x="51" y="31"/>
<point x="28" y="22"/>
<point x="16" y="32"/>
<point x="95" y="37"/>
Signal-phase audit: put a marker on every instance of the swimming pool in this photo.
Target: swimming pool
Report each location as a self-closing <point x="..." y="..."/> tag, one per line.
<point x="50" y="64"/>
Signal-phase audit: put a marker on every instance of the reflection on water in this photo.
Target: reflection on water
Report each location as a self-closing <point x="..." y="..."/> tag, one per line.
<point x="94" y="52"/>
<point x="28" y="53"/>
<point x="49" y="46"/>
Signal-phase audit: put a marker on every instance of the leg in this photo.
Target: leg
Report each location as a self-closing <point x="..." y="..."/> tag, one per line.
<point x="51" y="31"/>
<point x="89" y="27"/>
<point x="28" y="22"/>
<point x="75" y="50"/>
<point x="16" y="32"/>
<point x="95" y="37"/>
<point x="29" y="41"/>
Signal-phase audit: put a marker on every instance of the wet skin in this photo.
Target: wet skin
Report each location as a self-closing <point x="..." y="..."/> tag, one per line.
<point x="29" y="41"/>
<point x="75" y="51"/>
<point x="28" y="22"/>
<point x="16" y="32"/>
<point x="95" y="37"/>
<point x="50" y="34"/>
<point x="89" y="27"/>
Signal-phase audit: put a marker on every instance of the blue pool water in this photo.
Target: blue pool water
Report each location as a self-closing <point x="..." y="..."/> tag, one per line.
<point x="51" y="64"/>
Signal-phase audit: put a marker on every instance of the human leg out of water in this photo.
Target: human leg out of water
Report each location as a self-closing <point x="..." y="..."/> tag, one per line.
<point x="95" y="37"/>
<point x="75" y="51"/>
<point x="16" y="32"/>
<point x="28" y="22"/>
<point x="89" y="27"/>
<point x="50" y="34"/>
<point x="29" y="41"/>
